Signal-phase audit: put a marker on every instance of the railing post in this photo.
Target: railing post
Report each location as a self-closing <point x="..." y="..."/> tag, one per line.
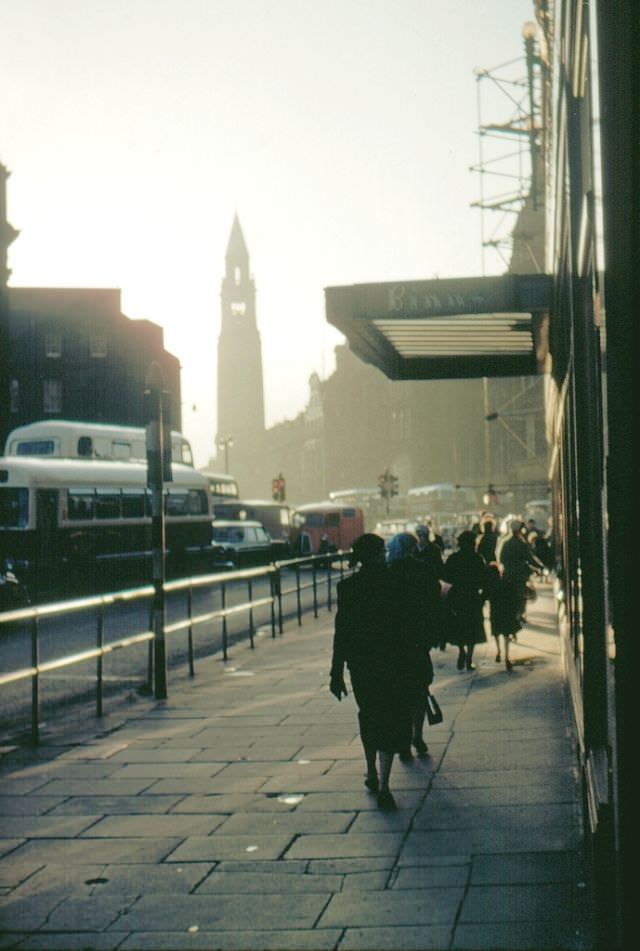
<point x="35" y="660"/>
<point x="272" y="578"/>
<point x="150" y="655"/>
<point x="314" y="568"/>
<point x="190" y="630"/>
<point x="329" y="597"/>
<point x="279" y="593"/>
<point x="298" y="598"/>
<point x="225" y="639"/>
<point x="99" y="661"/>
<point x="251" y="625"/>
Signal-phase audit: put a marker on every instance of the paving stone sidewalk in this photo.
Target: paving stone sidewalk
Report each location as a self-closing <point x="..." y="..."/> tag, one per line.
<point x="234" y="815"/>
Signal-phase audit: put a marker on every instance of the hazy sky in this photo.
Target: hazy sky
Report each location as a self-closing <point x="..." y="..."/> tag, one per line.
<point x="340" y="131"/>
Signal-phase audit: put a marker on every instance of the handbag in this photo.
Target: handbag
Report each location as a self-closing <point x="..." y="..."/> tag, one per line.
<point x="434" y="713"/>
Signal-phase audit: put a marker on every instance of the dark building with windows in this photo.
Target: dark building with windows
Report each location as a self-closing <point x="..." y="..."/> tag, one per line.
<point x="72" y="354"/>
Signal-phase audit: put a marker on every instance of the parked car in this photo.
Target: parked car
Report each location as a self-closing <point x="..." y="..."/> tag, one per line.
<point x="238" y="544"/>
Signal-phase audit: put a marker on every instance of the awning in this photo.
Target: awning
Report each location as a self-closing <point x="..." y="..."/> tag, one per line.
<point x="447" y="329"/>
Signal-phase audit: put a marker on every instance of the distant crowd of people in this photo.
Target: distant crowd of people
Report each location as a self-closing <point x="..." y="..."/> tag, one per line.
<point x="406" y="599"/>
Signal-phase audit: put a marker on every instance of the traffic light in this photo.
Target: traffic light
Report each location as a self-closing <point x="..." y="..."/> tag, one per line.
<point x="388" y="484"/>
<point x="278" y="488"/>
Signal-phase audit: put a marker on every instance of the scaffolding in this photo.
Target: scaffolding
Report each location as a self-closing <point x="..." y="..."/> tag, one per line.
<point x="509" y="126"/>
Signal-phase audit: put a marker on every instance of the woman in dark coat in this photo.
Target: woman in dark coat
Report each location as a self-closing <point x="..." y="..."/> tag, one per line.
<point x="368" y="639"/>
<point x="465" y="570"/>
<point x="417" y="608"/>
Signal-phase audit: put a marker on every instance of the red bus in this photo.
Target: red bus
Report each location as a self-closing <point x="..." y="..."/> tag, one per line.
<point x="339" y="524"/>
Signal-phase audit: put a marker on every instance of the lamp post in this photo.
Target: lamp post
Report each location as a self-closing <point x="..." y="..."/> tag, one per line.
<point x="226" y="444"/>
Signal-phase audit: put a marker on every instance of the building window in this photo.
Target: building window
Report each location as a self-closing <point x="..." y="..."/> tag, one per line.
<point x="53" y="345"/>
<point x="98" y="346"/>
<point x="237" y="276"/>
<point x="238" y="308"/>
<point x="14" y="396"/>
<point x="52" y="396"/>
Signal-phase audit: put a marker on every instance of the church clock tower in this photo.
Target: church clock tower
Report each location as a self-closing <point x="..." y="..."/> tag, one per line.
<point x="240" y="385"/>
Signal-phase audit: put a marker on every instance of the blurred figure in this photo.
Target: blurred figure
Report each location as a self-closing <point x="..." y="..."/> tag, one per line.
<point x="369" y="639"/>
<point x="428" y="550"/>
<point x="465" y="570"/>
<point x="518" y="562"/>
<point x="487" y="540"/>
<point x="501" y="597"/>
<point x="416" y="600"/>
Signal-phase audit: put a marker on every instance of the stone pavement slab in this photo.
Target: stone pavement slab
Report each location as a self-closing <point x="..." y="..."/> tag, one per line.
<point x="233" y="815"/>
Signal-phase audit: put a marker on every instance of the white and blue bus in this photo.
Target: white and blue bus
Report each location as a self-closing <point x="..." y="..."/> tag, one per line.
<point x="74" y="439"/>
<point x="71" y="525"/>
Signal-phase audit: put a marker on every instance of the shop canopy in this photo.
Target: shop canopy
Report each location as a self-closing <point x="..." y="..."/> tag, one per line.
<point x="447" y="329"/>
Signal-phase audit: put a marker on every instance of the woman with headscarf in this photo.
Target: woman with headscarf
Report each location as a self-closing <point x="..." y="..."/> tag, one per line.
<point x="465" y="570"/>
<point x="365" y="640"/>
<point x="417" y="603"/>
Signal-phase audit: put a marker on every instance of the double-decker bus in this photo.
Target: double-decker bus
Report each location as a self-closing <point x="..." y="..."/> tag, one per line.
<point x="442" y="501"/>
<point x="337" y="525"/>
<point x="221" y="485"/>
<point x="71" y="525"/>
<point x="75" y="439"/>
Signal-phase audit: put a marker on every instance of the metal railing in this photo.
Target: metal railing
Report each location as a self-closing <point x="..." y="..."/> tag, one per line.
<point x="100" y="603"/>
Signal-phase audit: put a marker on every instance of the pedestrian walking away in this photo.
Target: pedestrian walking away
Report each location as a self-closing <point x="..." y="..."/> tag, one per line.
<point x="367" y="640"/>
<point x="417" y="614"/>
<point x="518" y="563"/>
<point x="465" y="570"/>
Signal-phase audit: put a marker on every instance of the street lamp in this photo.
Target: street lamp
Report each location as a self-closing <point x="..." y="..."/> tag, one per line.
<point x="226" y="444"/>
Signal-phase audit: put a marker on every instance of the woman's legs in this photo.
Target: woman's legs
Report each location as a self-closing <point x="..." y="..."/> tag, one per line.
<point x="419" y="713"/>
<point x="385" y="799"/>
<point x="470" y="664"/>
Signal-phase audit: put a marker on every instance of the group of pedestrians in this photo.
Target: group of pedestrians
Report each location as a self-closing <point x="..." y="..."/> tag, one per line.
<point x="403" y="601"/>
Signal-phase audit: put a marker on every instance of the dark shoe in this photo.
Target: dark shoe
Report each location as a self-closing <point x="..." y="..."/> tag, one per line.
<point x="460" y="662"/>
<point x="406" y="756"/>
<point x="508" y="665"/>
<point x="498" y="657"/>
<point x="372" y="784"/>
<point x="386" y="801"/>
<point x="421" y="747"/>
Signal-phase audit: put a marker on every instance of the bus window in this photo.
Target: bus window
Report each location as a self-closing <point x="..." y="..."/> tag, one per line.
<point x="176" y="503"/>
<point x="85" y="446"/>
<point x="333" y="519"/>
<point x="120" y="449"/>
<point x="184" y="454"/>
<point x="107" y="503"/>
<point x="34" y="447"/>
<point x="197" y="502"/>
<point x="80" y="504"/>
<point x="14" y="509"/>
<point x="133" y="504"/>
